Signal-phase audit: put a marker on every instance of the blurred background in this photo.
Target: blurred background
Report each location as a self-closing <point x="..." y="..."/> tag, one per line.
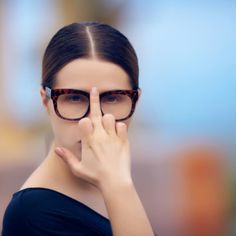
<point x="183" y="136"/>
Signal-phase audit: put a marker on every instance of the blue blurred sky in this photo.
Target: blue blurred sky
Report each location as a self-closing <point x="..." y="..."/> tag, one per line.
<point x="187" y="53"/>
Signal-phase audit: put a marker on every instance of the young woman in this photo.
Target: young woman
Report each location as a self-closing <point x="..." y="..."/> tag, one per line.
<point x="84" y="185"/>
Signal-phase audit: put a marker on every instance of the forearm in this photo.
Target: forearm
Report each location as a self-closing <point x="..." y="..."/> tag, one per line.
<point x="125" y="210"/>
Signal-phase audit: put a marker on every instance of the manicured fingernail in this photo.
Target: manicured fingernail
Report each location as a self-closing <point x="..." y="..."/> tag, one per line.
<point x="59" y="151"/>
<point x="94" y="91"/>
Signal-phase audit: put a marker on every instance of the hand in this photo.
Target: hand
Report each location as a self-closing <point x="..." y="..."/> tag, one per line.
<point x="105" y="153"/>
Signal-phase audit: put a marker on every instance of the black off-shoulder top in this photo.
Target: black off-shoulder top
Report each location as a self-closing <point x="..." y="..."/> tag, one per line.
<point x="43" y="212"/>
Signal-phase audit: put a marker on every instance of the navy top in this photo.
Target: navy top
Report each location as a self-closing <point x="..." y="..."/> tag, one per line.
<point x="42" y="211"/>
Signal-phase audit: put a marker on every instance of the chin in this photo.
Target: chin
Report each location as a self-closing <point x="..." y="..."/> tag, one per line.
<point x="74" y="147"/>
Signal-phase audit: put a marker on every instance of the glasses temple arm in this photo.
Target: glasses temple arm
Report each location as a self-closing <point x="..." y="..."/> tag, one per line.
<point x="48" y="92"/>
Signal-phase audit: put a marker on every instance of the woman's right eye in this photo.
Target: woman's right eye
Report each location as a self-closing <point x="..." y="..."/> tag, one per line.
<point x="74" y="98"/>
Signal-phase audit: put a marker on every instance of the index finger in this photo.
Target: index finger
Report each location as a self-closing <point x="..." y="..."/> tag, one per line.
<point x="95" y="109"/>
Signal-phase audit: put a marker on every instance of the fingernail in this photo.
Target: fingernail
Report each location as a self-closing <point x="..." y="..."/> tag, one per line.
<point x="59" y="151"/>
<point x="94" y="91"/>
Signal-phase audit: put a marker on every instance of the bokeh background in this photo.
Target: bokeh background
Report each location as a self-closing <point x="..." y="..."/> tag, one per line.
<point x="184" y="133"/>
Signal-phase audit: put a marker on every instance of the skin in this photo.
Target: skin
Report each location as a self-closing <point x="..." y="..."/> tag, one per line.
<point x="89" y="160"/>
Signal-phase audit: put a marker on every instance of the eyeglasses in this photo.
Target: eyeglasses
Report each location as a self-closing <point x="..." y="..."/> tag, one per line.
<point x="73" y="104"/>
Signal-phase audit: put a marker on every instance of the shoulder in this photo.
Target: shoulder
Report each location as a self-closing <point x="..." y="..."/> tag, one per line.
<point x="46" y="212"/>
<point x="33" y="203"/>
<point x="37" y="211"/>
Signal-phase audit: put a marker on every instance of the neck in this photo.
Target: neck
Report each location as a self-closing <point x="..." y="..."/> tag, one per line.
<point x="61" y="176"/>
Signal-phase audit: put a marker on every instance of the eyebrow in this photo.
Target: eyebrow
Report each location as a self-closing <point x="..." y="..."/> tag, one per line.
<point x="100" y="91"/>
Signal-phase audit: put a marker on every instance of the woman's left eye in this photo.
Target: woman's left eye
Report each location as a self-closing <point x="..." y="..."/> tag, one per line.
<point x="111" y="98"/>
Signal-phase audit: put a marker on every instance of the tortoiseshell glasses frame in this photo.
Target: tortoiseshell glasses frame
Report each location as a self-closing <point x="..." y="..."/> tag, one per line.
<point x="54" y="94"/>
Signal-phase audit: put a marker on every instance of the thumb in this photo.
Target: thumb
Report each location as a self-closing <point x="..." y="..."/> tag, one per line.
<point x="70" y="159"/>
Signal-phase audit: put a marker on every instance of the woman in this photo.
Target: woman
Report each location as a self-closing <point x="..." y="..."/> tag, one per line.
<point x="89" y="90"/>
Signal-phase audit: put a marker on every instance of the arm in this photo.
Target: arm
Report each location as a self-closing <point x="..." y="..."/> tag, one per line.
<point x="125" y="209"/>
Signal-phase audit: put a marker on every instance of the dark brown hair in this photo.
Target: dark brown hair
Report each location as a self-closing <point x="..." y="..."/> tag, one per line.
<point x="87" y="40"/>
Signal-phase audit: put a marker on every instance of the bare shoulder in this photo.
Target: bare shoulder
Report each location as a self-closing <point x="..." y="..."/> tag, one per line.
<point x="36" y="179"/>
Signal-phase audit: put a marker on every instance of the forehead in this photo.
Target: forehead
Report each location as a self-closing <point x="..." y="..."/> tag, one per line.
<point x="85" y="73"/>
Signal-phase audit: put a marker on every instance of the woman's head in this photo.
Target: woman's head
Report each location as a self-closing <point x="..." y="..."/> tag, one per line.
<point x="81" y="56"/>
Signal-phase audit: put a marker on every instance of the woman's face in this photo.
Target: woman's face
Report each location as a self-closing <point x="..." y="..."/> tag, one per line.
<point x="83" y="74"/>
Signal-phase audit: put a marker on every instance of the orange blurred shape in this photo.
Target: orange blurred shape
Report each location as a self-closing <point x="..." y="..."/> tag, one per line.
<point x="205" y="192"/>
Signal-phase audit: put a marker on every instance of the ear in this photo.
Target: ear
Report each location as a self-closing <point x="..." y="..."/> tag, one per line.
<point x="45" y="100"/>
<point x="139" y="93"/>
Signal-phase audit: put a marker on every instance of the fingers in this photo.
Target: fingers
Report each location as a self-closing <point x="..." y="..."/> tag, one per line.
<point x="70" y="159"/>
<point x="109" y="125"/>
<point x="121" y="130"/>
<point x="108" y="122"/>
<point x="99" y="122"/>
<point x="85" y="128"/>
<point x="95" y="110"/>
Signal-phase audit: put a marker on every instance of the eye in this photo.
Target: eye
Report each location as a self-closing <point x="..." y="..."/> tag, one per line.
<point x="112" y="98"/>
<point x="75" y="98"/>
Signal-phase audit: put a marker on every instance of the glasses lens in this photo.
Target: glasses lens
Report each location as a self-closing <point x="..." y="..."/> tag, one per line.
<point x="119" y="105"/>
<point x="72" y="106"/>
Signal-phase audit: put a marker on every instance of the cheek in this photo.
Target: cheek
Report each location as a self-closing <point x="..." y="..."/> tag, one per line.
<point x="66" y="135"/>
<point x="65" y="132"/>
